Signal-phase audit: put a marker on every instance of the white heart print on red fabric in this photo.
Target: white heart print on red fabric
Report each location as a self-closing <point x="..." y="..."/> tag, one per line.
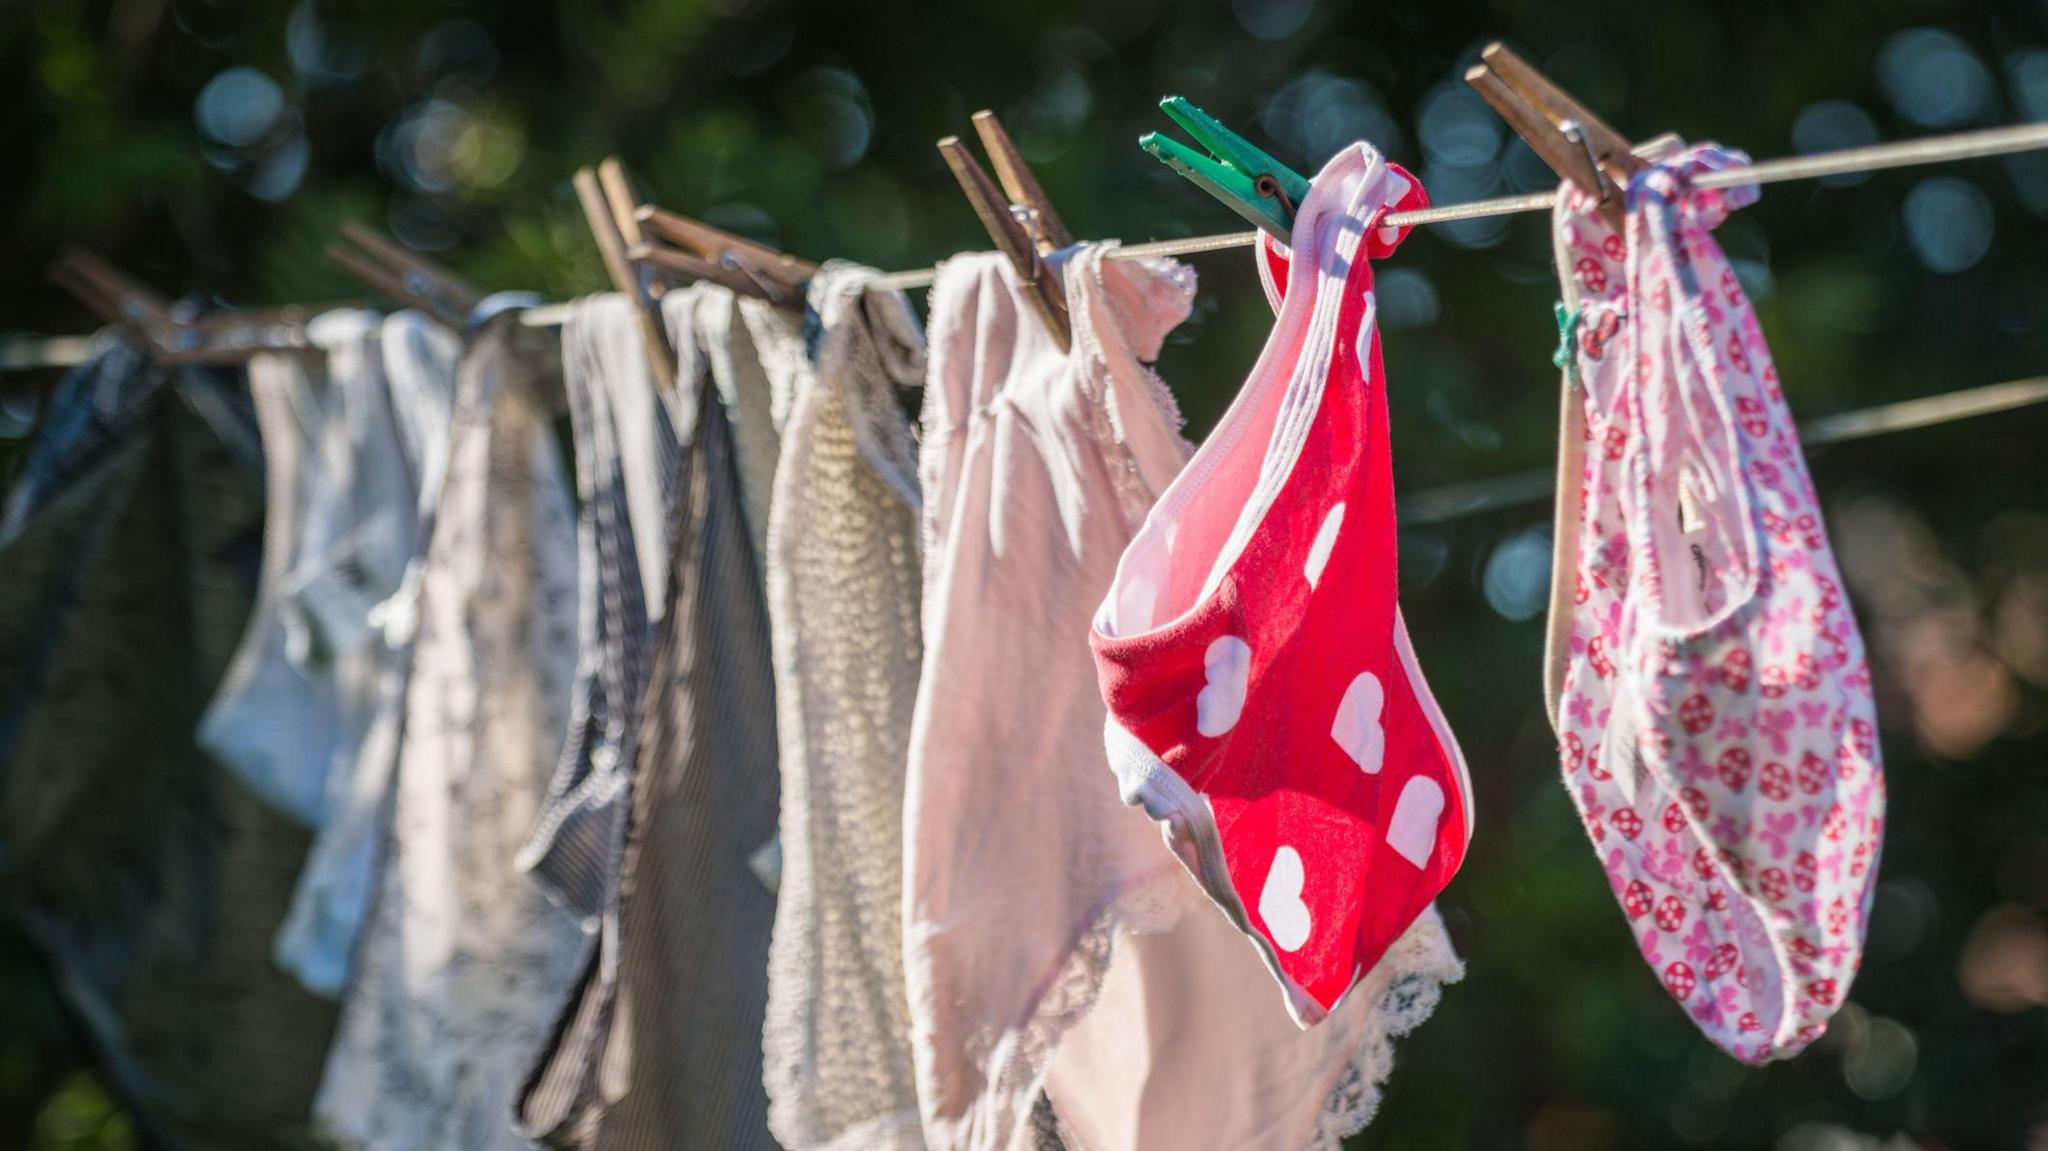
<point x="1358" y="730"/>
<point x="1368" y="332"/>
<point x="1412" y="830"/>
<point x="1326" y="540"/>
<point x="1227" y="668"/>
<point x="1286" y="550"/>
<point x="1280" y="903"/>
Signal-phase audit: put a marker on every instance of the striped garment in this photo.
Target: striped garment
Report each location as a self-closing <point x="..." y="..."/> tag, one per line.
<point x="626" y="455"/>
<point x="659" y="1043"/>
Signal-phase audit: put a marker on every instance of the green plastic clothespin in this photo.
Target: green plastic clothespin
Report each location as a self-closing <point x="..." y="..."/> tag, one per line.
<point x="1253" y="184"/>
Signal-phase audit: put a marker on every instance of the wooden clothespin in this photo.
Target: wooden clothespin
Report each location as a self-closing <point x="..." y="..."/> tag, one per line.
<point x="683" y="247"/>
<point x="111" y="294"/>
<point x="1023" y="225"/>
<point x="748" y="268"/>
<point x="172" y="339"/>
<point x="619" y="201"/>
<point x="1577" y="144"/>
<point x="403" y="276"/>
<point x="602" y="207"/>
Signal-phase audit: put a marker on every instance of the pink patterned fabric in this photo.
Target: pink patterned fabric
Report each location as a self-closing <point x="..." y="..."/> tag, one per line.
<point x="1264" y="702"/>
<point x="1717" y="728"/>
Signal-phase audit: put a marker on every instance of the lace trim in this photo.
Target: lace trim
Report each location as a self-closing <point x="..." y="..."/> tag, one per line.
<point x="1151" y="907"/>
<point x="1407" y="982"/>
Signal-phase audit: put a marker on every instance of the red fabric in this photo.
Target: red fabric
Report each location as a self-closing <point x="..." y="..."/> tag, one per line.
<point x="1304" y="619"/>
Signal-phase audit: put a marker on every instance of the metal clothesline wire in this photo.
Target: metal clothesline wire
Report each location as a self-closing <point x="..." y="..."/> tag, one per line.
<point x="1453" y="501"/>
<point x="1875" y="157"/>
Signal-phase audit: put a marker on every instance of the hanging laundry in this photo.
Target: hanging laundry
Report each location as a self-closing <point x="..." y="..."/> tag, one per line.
<point x="420" y="355"/>
<point x="296" y="696"/>
<point x="754" y="354"/>
<point x="1034" y="465"/>
<point x="1392" y="998"/>
<point x="659" y="1043"/>
<point x="627" y="459"/>
<point x="149" y="877"/>
<point x="1266" y="705"/>
<point x="463" y="954"/>
<point x="1044" y="925"/>
<point x="337" y="886"/>
<point x="1716" y="724"/>
<point x="395" y="413"/>
<point x="767" y="347"/>
<point x="98" y="410"/>
<point x="843" y="583"/>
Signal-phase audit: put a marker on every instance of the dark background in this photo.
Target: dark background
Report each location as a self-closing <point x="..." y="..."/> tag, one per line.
<point x="215" y="146"/>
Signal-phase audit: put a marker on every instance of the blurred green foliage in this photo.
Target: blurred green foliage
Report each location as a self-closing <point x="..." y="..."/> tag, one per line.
<point x="215" y="145"/>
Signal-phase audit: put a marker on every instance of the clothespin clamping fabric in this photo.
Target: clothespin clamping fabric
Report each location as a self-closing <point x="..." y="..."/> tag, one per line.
<point x="1577" y="144"/>
<point x="172" y="335"/>
<point x="1253" y="184"/>
<point x="608" y="210"/>
<point x="403" y="276"/>
<point x="678" y="247"/>
<point x="693" y="250"/>
<point x="1023" y="226"/>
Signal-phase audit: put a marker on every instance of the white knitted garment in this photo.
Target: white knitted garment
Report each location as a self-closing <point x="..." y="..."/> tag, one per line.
<point x="843" y="593"/>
